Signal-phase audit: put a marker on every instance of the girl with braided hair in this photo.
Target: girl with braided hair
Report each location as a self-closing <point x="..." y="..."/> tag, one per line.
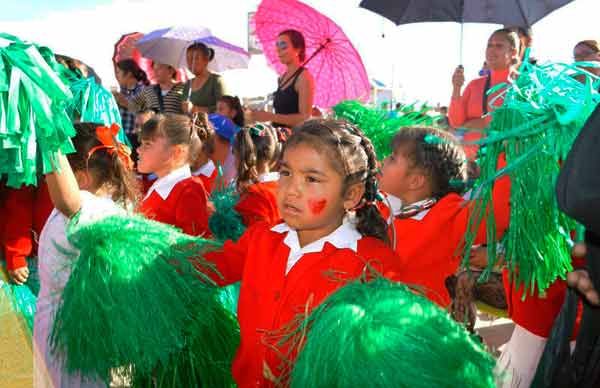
<point x="255" y="152"/>
<point x="331" y="233"/>
<point x="424" y="178"/>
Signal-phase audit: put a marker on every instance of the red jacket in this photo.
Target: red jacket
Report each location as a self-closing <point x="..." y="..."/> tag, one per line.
<point x="259" y="204"/>
<point x="24" y="211"/>
<point x="185" y="207"/>
<point x="209" y="181"/>
<point x="269" y="299"/>
<point x="433" y="244"/>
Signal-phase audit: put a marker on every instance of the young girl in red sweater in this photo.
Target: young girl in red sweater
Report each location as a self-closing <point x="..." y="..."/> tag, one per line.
<point x="255" y="150"/>
<point x="176" y="197"/>
<point x="423" y="177"/>
<point x="331" y="232"/>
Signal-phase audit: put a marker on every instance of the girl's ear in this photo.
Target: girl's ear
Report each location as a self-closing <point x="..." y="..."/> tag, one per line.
<point x="84" y="179"/>
<point x="353" y="195"/>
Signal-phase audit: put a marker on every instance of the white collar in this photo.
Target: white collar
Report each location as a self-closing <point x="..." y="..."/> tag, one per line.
<point x="394" y="203"/>
<point x="345" y="236"/>
<point x="206" y="169"/>
<point x="268" y="177"/>
<point x="164" y="185"/>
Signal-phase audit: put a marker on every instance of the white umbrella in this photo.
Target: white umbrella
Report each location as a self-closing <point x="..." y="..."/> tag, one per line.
<point x="169" y="45"/>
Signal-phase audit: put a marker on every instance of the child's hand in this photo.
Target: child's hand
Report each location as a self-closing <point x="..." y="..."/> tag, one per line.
<point x="187" y="107"/>
<point x="479" y="257"/>
<point x="580" y="279"/>
<point x="20" y="275"/>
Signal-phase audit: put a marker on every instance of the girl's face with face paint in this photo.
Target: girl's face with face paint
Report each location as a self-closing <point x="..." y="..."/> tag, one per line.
<point x="311" y="193"/>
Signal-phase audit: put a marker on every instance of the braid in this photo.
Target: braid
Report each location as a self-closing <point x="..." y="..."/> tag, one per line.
<point x="370" y="221"/>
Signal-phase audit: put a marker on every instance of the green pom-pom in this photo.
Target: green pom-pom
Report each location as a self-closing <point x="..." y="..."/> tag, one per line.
<point x="133" y="296"/>
<point x="379" y="126"/>
<point x="542" y="114"/>
<point x="225" y="223"/>
<point x="381" y="334"/>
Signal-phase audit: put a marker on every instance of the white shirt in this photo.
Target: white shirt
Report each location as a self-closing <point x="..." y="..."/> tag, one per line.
<point x="163" y="186"/>
<point x="268" y="177"/>
<point x="206" y="169"/>
<point x="346" y="236"/>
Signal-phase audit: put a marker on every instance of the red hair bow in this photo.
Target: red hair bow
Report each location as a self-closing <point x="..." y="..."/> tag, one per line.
<point x="107" y="136"/>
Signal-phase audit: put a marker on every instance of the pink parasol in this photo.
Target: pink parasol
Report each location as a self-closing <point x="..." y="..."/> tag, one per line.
<point x="337" y="67"/>
<point x="125" y="49"/>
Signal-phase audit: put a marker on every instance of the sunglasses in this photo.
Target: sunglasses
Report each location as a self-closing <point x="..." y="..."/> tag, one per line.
<point x="281" y="45"/>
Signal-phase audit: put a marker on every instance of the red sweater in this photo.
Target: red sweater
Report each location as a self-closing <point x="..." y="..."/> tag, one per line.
<point x="185" y="207"/>
<point x="259" y="204"/>
<point x="433" y="243"/>
<point x="25" y="211"/>
<point x="270" y="299"/>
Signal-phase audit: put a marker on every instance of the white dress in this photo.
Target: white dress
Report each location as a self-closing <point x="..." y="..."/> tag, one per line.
<point x="54" y="271"/>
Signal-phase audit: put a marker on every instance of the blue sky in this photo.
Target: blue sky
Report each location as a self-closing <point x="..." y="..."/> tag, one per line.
<point x="417" y="59"/>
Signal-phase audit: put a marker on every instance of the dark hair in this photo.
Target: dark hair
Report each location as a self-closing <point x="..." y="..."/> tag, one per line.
<point x="234" y="103"/>
<point x="297" y="40"/>
<point x="253" y="146"/>
<point x="593" y="45"/>
<point x="105" y="166"/>
<point x="176" y="128"/>
<point x="130" y="66"/>
<point x="204" y="135"/>
<point x="438" y="154"/>
<point x="353" y="157"/>
<point x="206" y="51"/>
<point x="511" y="37"/>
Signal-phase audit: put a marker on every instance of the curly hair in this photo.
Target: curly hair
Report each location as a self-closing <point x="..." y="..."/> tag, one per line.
<point x="352" y="155"/>
<point x="438" y="154"/>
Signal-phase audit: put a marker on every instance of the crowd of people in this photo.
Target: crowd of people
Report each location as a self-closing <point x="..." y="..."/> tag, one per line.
<point x="310" y="193"/>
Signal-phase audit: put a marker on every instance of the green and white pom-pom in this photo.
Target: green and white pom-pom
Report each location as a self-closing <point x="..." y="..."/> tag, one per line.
<point x="34" y="125"/>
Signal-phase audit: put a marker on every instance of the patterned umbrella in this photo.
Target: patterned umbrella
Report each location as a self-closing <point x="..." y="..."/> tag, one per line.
<point x="332" y="59"/>
<point x="125" y="49"/>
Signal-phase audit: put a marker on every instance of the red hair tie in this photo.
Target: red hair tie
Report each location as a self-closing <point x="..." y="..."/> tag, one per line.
<point x="106" y="136"/>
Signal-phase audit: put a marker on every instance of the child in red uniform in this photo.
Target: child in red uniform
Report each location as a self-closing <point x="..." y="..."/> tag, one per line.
<point x="331" y="233"/>
<point x="25" y="211"/>
<point x="255" y="150"/>
<point x="430" y="217"/>
<point x="176" y="197"/>
<point x="202" y="147"/>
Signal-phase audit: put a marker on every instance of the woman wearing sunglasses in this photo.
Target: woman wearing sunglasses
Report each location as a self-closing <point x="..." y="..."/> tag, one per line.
<point x="293" y="98"/>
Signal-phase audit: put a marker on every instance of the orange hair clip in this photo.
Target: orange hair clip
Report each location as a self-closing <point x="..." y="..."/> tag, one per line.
<point x="106" y="136"/>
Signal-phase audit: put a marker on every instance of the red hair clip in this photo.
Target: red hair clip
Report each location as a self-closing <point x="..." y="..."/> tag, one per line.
<point x="106" y="136"/>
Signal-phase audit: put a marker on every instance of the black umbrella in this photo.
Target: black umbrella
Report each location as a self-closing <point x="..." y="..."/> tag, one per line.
<point x="518" y="13"/>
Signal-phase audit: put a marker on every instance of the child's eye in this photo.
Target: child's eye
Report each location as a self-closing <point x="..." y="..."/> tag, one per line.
<point x="284" y="173"/>
<point x="312" y="179"/>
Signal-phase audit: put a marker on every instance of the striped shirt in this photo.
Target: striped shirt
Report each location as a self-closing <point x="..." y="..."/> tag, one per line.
<point x="148" y="100"/>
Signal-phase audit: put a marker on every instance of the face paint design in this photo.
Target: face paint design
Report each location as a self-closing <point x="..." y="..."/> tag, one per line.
<point x="317" y="206"/>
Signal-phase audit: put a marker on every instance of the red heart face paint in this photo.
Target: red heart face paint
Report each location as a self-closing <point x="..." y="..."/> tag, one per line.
<point x="317" y="206"/>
